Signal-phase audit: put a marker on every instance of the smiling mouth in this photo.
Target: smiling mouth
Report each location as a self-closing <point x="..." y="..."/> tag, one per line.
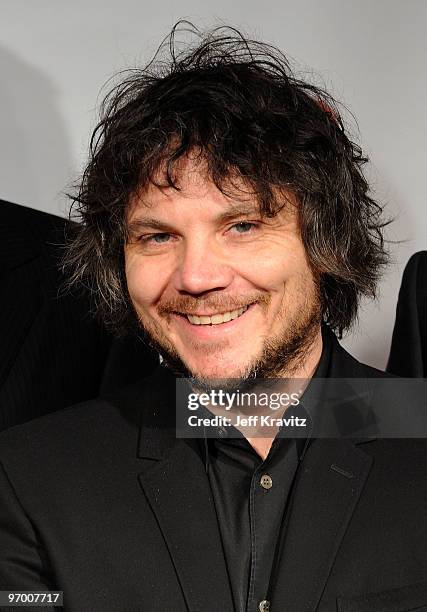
<point x="216" y="319"/>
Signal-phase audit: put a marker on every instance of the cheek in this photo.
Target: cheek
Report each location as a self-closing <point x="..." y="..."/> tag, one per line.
<point x="279" y="263"/>
<point x="145" y="281"/>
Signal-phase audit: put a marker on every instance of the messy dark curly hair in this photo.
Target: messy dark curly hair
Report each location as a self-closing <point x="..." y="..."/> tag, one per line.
<point x="239" y="104"/>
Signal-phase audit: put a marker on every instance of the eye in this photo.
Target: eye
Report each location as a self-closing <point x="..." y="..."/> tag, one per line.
<point x="159" y="238"/>
<point x="244" y="227"/>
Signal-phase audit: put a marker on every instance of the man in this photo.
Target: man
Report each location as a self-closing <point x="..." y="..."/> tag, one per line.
<point x="224" y="212"/>
<point x="52" y="352"/>
<point x="408" y="352"/>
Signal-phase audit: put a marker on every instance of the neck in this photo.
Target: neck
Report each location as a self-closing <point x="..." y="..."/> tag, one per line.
<point x="303" y="370"/>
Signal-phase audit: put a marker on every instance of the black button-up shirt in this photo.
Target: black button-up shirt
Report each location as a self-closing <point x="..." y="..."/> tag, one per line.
<point x="252" y="499"/>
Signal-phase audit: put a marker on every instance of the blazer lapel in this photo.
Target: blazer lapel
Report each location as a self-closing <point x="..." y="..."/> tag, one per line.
<point x="329" y="485"/>
<point x="176" y="486"/>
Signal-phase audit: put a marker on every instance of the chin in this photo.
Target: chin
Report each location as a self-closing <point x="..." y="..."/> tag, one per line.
<point x="224" y="376"/>
<point x="216" y="373"/>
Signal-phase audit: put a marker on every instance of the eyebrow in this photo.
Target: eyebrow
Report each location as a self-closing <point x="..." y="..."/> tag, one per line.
<point x="136" y="225"/>
<point x="235" y="211"/>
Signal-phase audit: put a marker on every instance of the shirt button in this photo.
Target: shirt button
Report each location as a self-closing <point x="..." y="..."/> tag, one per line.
<point x="264" y="606"/>
<point x="266" y="482"/>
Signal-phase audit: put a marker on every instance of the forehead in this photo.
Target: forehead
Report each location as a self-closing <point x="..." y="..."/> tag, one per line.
<point x="192" y="182"/>
<point x="194" y="188"/>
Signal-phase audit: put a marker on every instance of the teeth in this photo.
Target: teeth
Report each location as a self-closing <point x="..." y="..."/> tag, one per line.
<point x="217" y="318"/>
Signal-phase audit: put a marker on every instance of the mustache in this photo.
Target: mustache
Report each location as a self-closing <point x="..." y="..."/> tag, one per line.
<point x="190" y="305"/>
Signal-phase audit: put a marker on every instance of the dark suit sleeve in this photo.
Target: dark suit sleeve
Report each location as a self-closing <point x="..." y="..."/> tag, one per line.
<point x="408" y="354"/>
<point x="23" y="562"/>
<point x="53" y="352"/>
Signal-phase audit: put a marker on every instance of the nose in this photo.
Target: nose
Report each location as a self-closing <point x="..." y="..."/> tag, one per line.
<point x="202" y="267"/>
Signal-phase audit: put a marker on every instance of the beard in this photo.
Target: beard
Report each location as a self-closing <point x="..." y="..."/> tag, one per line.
<point x="281" y="354"/>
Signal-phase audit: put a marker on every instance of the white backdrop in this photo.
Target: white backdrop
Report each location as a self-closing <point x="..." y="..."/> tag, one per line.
<point x="56" y="55"/>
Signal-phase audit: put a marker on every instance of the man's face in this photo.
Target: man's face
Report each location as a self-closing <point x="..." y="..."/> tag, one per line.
<point x="217" y="286"/>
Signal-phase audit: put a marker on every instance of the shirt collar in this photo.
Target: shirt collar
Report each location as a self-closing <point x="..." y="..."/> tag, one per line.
<point x="306" y="408"/>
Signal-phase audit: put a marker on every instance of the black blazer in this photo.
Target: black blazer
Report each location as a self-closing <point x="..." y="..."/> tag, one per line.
<point x="408" y="353"/>
<point x="103" y="502"/>
<point x="52" y="352"/>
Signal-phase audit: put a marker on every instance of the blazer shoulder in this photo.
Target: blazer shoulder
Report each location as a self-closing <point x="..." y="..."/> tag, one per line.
<point x="408" y="351"/>
<point x="29" y="219"/>
<point x="101" y="423"/>
<point x="417" y="260"/>
<point x="344" y="365"/>
<point x="414" y="275"/>
<point x="26" y="233"/>
<point x="67" y="430"/>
